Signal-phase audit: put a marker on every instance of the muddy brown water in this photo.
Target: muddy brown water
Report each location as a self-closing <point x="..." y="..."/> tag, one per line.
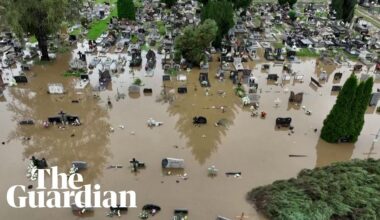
<point x="250" y="145"/>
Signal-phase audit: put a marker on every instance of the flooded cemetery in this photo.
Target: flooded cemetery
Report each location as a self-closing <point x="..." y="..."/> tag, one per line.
<point x="190" y="140"/>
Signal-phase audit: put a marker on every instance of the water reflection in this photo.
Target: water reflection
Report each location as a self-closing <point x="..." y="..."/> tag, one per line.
<point x="204" y="140"/>
<point x="60" y="146"/>
<point x="329" y="153"/>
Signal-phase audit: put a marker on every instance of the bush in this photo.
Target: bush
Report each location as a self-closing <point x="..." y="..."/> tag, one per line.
<point x="126" y="9"/>
<point x="137" y="82"/>
<point x="345" y="190"/>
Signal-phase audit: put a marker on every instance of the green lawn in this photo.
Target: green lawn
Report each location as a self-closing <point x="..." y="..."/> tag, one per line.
<point x="306" y="52"/>
<point x="98" y="27"/>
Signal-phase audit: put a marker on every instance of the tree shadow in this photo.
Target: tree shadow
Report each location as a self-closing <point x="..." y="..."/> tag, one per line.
<point x="204" y="139"/>
<point x="329" y="153"/>
<point x="60" y="146"/>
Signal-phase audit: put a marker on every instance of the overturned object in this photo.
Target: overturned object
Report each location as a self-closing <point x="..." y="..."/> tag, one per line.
<point x="153" y="123"/>
<point x="297" y="98"/>
<point x="173" y="163"/>
<point x="283" y="122"/>
<point x="198" y="120"/>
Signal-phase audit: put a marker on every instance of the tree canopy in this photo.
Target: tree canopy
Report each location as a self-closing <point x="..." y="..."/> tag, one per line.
<point x="222" y="13"/>
<point x="345" y="190"/>
<point x="169" y="3"/>
<point x="290" y="2"/>
<point x="345" y="9"/>
<point x="346" y="118"/>
<point x="126" y="9"/>
<point x="40" y="18"/>
<point x="244" y="4"/>
<point x="192" y="43"/>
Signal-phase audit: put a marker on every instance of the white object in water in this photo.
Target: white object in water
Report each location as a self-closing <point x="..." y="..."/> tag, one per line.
<point x="153" y="123"/>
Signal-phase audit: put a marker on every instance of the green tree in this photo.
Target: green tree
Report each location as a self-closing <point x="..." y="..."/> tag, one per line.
<point x="290" y="2"/>
<point x="360" y="105"/>
<point x="241" y="3"/>
<point x="169" y="3"/>
<point x="40" y="18"/>
<point x="293" y="15"/>
<point x="346" y="118"/>
<point x="192" y="43"/>
<point x="344" y="9"/>
<point x="348" y="10"/>
<point x="337" y="125"/>
<point x="126" y="9"/>
<point x="222" y="13"/>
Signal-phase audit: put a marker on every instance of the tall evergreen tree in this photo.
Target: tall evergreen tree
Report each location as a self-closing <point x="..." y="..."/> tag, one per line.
<point x="169" y="3"/>
<point x="345" y="9"/>
<point x="346" y="119"/>
<point x="222" y="13"/>
<point x="337" y="6"/>
<point x="337" y="125"/>
<point x="363" y="96"/>
<point x="126" y="9"/>
<point x="348" y="10"/>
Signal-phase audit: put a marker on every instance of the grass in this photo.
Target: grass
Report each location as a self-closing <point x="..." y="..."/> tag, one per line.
<point x="138" y="3"/>
<point x="161" y="28"/>
<point x="172" y="72"/>
<point x="74" y="73"/>
<point x="137" y="82"/>
<point x="98" y="27"/>
<point x="239" y="91"/>
<point x="33" y="39"/>
<point x="306" y="52"/>
<point x="76" y="31"/>
<point x="345" y="190"/>
<point x="134" y="39"/>
<point x="278" y="45"/>
<point x="145" y="47"/>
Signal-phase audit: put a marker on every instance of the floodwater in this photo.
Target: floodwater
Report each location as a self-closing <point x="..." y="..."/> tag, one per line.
<point x="247" y="144"/>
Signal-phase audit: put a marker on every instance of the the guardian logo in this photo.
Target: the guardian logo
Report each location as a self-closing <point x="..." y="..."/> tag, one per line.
<point x="64" y="193"/>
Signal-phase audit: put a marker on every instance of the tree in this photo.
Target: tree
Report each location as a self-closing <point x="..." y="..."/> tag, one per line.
<point x="222" y="13"/>
<point x="126" y="9"/>
<point x="293" y="15"/>
<point x="40" y="18"/>
<point x="337" y="124"/>
<point x="192" y="43"/>
<point x="244" y="4"/>
<point x="346" y="119"/>
<point x="338" y="191"/>
<point x="290" y="2"/>
<point x="348" y="10"/>
<point x="344" y="9"/>
<point x="169" y="3"/>
<point x="360" y="104"/>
